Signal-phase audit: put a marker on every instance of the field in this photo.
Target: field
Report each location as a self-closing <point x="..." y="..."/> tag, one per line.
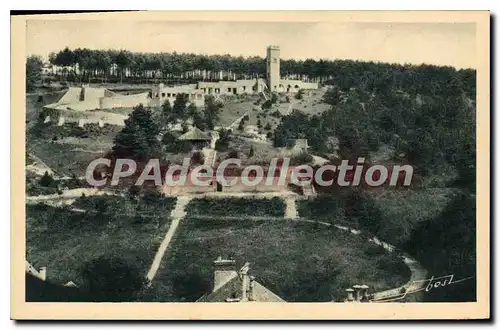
<point x="298" y="261"/>
<point x="64" y="240"/>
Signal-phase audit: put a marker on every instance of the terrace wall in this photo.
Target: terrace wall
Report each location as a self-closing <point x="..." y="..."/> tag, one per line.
<point x="124" y="101"/>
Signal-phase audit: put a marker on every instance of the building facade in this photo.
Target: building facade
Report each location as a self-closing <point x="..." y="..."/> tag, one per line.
<point x="90" y="98"/>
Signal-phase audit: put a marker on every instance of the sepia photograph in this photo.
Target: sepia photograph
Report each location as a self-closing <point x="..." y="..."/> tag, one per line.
<point x="330" y="165"/>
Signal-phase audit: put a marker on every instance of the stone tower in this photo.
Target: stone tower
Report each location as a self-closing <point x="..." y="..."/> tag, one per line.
<point x="273" y="68"/>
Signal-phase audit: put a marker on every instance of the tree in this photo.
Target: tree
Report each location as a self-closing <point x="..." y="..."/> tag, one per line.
<point x="251" y="152"/>
<point x="123" y="60"/>
<point x="223" y="142"/>
<point x="111" y="279"/>
<point x="241" y="125"/>
<point x="300" y="94"/>
<point x="138" y="139"/>
<point x="33" y="71"/>
<point x="259" y="123"/>
<point x="267" y="105"/>
<point x="211" y="111"/>
<point x="47" y="180"/>
<point x="179" y="107"/>
<point x="274" y="98"/>
<point x="192" y="110"/>
<point x="166" y="113"/>
<point x="171" y="143"/>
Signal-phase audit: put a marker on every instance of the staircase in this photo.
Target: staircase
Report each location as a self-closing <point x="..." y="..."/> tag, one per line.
<point x="308" y="190"/>
<point x="291" y="208"/>
<point x="210" y="157"/>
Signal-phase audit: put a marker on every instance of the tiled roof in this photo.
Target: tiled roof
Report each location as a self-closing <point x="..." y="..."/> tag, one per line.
<point x="194" y="134"/>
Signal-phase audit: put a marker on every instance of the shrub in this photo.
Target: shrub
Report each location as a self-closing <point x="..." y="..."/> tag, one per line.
<point x="197" y="158"/>
<point x="276" y="114"/>
<point x="274" y="98"/>
<point x="251" y="152"/>
<point x="47" y="180"/>
<point x="300" y="94"/>
<point x="111" y="279"/>
<point x="232" y="154"/>
<point x="302" y="158"/>
<point x="267" y="105"/>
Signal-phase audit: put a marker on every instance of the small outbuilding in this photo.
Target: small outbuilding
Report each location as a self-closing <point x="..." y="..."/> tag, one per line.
<point x="196" y="138"/>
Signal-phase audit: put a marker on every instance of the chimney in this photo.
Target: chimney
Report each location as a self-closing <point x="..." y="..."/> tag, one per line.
<point x="43" y="273"/>
<point x="245" y="281"/>
<point x="357" y="289"/>
<point x="223" y="271"/>
<point x="364" y="293"/>
<point x="350" y="295"/>
<point x="250" y="289"/>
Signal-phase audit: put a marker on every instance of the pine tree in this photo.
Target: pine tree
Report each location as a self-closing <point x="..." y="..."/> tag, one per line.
<point x="192" y="110"/>
<point x="251" y="152"/>
<point x="179" y="107"/>
<point x="138" y="139"/>
<point x="211" y="112"/>
<point x="166" y="111"/>
<point x="46" y="180"/>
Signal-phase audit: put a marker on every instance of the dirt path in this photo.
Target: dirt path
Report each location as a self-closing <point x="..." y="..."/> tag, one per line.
<point x="177" y="214"/>
<point x="291" y="208"/>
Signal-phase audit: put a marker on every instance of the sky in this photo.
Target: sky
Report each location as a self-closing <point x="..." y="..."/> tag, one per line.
<point x="452" y="44"/>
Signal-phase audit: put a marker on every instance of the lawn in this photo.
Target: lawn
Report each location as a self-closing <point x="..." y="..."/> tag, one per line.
<point x="389" y="213"/>
<point x="298" y="261"/>
<point x="274" y="207"/>
<point x="64" y="240"/>
<point x="69" y="149"/>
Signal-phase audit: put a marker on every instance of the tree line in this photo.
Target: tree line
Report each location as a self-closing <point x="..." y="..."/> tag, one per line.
<point x="107" y="64"/>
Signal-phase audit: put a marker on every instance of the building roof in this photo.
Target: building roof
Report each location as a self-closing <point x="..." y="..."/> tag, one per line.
<point x="239" y="287"/>
<point x="194" y="134"/>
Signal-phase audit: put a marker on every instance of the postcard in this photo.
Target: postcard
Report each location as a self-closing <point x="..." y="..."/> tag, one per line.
<point x="251" y="165"/>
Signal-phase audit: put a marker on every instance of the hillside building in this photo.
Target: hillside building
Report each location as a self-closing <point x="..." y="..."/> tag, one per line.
<point x="87" y="98"/>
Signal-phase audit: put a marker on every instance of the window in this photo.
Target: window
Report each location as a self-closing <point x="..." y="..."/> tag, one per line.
<point x="162" y="94"/>
<point x="229" y="90"/>
<point x="244" y="88"/>
<point x="169" y="95"/>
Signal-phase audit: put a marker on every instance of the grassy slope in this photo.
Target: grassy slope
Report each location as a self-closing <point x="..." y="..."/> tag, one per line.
<point x="299" y="262"/>
<point x="63" y="240"/>
<point x="401" y="210"/>
<point x="69" y="155"/>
